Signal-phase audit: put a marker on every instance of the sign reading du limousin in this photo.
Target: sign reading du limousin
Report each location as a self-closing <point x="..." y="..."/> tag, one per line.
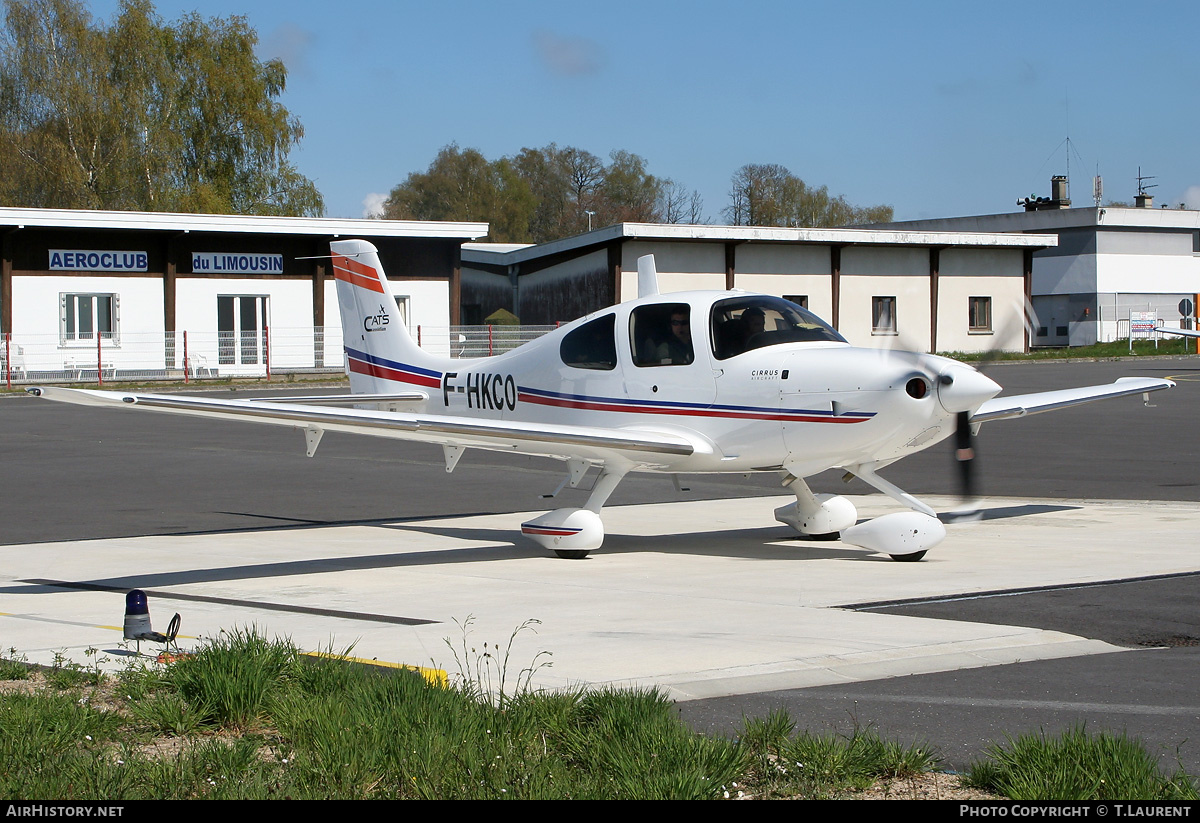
<point x="232" y="263"/>
<point x="98" y="260"/>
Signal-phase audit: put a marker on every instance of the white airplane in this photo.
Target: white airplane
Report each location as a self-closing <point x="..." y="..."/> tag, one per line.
<point x="1180" y="332"/>
<point x="678" y="383"/>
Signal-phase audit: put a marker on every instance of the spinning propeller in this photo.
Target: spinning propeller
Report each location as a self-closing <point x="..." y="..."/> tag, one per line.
<point x="961" y="388"/>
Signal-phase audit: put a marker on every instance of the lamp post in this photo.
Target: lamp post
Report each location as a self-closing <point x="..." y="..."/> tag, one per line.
<point x="589" y="213"/>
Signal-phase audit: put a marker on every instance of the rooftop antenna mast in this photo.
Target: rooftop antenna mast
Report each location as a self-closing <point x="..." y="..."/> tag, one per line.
<point x="1068" y="166"/>
<point x="1141" y="179"/>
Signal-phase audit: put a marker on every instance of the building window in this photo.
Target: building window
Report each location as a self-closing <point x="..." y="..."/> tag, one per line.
<point x="883" y="315"/>
<point x="241" y="324"/>
<point x="979" y="310"/>
<point x="800" y="300"/>
<point x="402" y="303"/>
<point x="82" y="316"/>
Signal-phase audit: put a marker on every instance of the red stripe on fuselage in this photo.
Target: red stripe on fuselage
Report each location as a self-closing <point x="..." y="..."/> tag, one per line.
<point x="729" y="413"/>
<point x="360" y="367"/>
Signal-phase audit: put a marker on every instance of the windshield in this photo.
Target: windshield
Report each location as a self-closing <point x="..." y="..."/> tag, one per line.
<point x="746" y="323"/>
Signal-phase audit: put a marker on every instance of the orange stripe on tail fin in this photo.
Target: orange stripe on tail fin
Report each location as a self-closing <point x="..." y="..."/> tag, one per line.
<point x="356" y="273"/>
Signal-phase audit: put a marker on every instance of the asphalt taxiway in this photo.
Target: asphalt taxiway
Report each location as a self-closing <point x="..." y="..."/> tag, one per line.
<point x="1056" y="608"/>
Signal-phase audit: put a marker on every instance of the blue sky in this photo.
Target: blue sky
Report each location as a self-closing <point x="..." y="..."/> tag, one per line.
<point x="936" y="108"/>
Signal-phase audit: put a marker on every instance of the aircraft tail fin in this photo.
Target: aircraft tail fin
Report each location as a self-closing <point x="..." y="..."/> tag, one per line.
<point x="380" y="354"/>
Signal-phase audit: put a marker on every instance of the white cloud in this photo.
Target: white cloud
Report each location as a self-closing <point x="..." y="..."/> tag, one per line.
<point x="373" y="204"/>
<point x="1191" y="197"/>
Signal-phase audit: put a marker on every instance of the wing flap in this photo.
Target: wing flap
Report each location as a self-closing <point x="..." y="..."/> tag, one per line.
<point x="640" y="446"/>
<point x="348" y="399"/>
<point x="1020" y="405"/>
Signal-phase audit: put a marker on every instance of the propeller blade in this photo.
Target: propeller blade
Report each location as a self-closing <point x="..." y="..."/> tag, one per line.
<point x="964" y="453"/>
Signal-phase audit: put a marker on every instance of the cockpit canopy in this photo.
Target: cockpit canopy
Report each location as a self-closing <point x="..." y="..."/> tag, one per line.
<point x="660" y="333"/>
<point x="742" y="324"/>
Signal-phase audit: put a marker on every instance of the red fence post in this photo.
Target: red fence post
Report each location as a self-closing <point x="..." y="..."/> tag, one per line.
<point x="267" y="351"/>
<point x="8" y="359"/>
<point x="185" y="358"/>
<point x="99" y="361"/>
<point x="489" y="340"/>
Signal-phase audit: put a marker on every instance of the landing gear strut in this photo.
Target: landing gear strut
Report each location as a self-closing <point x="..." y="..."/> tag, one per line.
<point x="573" y="533"/>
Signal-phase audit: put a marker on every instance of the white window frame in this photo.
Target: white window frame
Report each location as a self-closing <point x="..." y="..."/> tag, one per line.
<point x="404" y="306"/>
<point x="69" y="333"/>
<point x="883" y="308"/>
<point x="231" y="350"/>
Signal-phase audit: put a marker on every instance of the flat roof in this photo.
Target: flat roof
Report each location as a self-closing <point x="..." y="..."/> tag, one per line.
<point x="1059" y="219"/>
<point x="236" y="223"/>
<point x="480" y="253"/>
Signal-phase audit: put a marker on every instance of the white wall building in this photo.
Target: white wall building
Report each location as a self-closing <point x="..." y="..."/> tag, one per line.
<point x="88" y="291"/>
<point x="1108" y="261"/>
<point x="925" y="290"/>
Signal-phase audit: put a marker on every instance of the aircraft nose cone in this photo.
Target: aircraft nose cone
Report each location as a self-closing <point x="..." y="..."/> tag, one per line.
<point x="962" y="388"/>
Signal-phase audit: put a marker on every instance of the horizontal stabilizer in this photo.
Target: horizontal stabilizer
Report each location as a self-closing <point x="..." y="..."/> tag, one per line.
<point x="1020" y="405"/>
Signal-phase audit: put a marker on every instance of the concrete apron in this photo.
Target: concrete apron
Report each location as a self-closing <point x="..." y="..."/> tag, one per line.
<point x="704" y="598"/>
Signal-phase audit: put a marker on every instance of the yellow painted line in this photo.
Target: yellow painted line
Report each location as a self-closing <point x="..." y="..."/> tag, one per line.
<point x="38" y="619"/>
<point x="437" y="677"/>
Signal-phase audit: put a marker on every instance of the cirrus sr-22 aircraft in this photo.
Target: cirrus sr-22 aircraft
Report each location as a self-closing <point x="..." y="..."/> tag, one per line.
<point x="703" y="381"/>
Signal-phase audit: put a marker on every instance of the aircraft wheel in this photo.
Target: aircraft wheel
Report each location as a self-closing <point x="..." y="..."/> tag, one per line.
<point x="572" y="554"/>
<point x="825" y="536"/>
<point x="908" y="558"/>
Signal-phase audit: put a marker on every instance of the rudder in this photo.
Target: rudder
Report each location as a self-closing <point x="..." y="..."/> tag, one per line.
<point x="380" y="355"/>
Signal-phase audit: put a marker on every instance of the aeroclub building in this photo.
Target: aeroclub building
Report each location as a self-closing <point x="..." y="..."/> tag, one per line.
<point x="88" y="290"/>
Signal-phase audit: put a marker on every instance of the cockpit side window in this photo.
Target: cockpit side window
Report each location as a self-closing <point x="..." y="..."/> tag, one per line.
<point x="660" y="334"/>
<point x="743" y="324"/>
<point x="591" y="346"/>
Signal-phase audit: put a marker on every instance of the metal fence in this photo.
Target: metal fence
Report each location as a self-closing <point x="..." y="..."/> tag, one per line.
<point x="476" y="341"/>
<point x="187" y="356"/>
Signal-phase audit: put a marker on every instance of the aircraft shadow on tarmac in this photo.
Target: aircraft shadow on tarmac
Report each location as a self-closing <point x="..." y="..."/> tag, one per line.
<point x="763" y="543"/>
<point x="1005" y="512"/>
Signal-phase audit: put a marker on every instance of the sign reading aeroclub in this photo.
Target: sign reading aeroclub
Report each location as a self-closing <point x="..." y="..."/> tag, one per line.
<point x="234" y="263"/>
<point x="101" y="260"/>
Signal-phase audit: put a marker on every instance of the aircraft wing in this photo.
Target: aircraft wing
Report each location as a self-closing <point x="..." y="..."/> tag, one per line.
<point x="1180" y="332"/>
<point x="1020" y="405"/>
<point x="639" y="446"/>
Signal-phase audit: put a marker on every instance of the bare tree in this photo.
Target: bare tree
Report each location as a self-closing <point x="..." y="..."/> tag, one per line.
<point x="770" y="195"/>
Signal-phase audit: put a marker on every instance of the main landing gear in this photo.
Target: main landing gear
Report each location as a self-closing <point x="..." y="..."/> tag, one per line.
<point x="573" y="533"/>
<point x="906" y="536"/>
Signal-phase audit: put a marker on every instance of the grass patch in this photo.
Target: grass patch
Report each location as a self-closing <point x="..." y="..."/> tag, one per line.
<point x="66" y="674"/>
<point x="824" y="766"/>
<point x="248" y="718"/>
<point x="14" y="667"/>
<point x="1077" y="765"/>
<point x="1117" y="348"/>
